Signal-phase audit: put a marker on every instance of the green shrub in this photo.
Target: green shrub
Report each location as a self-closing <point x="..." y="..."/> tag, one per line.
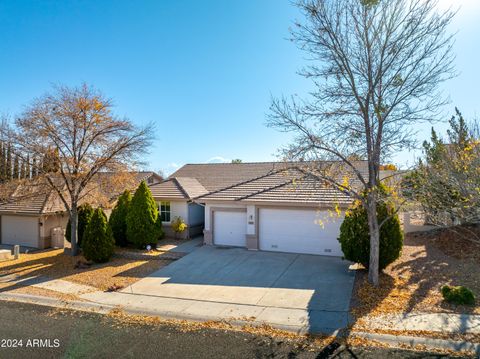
<point x="458" y="295"/>
<point x="98" y="242"/>
<point x="355" y="239"/>
<point x="142" y="226"/>
<point x="85" y="212"/>
<point x="118" y="219"/>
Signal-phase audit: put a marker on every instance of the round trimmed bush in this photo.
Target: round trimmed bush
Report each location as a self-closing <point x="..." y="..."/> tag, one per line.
<point x="355" y="238"/>
<point x="98" y="242"/>
<point x="85" y="212"/>
<point x="458" y="295"/>
<point x="118" y="219"/>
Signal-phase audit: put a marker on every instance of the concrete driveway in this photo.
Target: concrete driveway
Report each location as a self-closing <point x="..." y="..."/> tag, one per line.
<point x="275" y="287"/>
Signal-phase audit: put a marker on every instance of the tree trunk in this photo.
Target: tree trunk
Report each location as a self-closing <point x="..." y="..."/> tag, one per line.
<point x="374" y="231"/>
<point x="74" y="230"/>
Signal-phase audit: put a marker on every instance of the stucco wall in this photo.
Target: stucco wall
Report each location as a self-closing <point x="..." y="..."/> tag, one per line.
<point x="177" y="209"/>
<point x="48" y="223"/>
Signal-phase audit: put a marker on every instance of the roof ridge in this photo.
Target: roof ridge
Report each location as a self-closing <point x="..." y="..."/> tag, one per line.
<point x="182" y="189"/>
<point x="45" y="201"/>
<point x="240" y="183"/>
<point x="265" y="162"/>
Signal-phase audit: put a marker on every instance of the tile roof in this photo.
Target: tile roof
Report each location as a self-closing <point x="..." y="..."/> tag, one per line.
<point x="215" y="176"/>
<point x="34" y="198"/>
<point x="168" y="189"/>
<point x="191" y="186"/>
<point x="286" y="182"/>
<point x="31" y="198"/>
<point x="178" y="188"/>
<point x="285" y="186"/>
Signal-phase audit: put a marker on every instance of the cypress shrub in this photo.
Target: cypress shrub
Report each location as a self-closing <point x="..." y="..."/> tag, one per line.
<point x="355" y="238"/>
<point x="118" y="219"/>
<point x="142" y="226"/>
<point x="98" y="242"/>
<point x="158" y="228"/>
<point x="85" y="212"/>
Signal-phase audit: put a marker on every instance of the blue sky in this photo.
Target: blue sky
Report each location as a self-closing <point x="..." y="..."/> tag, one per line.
<point x="202" y="71"/>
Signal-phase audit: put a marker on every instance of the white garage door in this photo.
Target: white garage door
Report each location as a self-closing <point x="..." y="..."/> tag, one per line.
<point x="299" y="231"/>
<point x="229" y="228"/>
<point x="20" y="230"/>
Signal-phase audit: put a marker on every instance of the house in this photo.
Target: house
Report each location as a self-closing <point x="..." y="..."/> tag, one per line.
<point x="268" y="206"/>
<point x="30" y="215"/>
<point x="33" y="211"/>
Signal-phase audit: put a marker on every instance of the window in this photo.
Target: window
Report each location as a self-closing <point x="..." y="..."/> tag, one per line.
<point x="150" y="180"/>
<point x="164" y="211"/>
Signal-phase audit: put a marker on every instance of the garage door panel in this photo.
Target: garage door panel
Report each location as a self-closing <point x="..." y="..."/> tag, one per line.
<point x="229" y="228"/>
<point x="20" y="230"/>
<point x="299" y="231"/>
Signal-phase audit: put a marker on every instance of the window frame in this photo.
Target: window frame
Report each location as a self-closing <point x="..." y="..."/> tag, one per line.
<point x="165" y="211"/>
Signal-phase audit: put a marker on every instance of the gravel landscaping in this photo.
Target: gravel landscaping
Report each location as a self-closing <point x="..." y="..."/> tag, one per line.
<point x="411" y="284"/>
<point x="54" y="264"/>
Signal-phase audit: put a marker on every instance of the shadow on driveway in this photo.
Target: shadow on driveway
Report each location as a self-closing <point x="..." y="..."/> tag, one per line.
<point x="286" y="288"/>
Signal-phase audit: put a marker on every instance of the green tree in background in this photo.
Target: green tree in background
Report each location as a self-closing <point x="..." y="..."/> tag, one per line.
<point x="34" y="167"/>
<point x="2" y="162"/>
<point x="8" y="164"/>
<point x="16" y="167"/>
<point x="27" y="168"/>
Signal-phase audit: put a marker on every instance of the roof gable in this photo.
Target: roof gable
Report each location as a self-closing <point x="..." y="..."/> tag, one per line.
<point x="178" y="188"/>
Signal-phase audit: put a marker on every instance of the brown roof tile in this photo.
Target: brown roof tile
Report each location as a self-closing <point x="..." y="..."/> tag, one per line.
<point x="178" y="188"/>
<point x="282" y="186"/>
<point x="169" y="189"/>
<point x="257" y="182"/>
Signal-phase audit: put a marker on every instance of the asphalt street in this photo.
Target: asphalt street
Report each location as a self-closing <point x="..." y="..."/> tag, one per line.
<point x="31" y="331"/>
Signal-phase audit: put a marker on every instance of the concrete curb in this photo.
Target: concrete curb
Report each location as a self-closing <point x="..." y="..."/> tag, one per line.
<point x="105" y="309"/>
<point x="427" y="342"/>
<point x="56" y="303"/>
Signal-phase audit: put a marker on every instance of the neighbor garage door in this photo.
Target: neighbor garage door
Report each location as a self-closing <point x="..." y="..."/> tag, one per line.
<point x="299" y="231"/>
<point x="229" y="228"/>
<point x="20" y="230"/>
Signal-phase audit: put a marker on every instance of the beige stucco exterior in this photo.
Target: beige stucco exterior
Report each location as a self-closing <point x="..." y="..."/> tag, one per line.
<point x="188" y="213"/>
<point x="45" y="225"/>
<point x="48" y="223"/>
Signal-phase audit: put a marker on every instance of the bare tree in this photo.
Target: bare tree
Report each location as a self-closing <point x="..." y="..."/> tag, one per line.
<point x="79" y="138"/>
<point x="376" y="66"/>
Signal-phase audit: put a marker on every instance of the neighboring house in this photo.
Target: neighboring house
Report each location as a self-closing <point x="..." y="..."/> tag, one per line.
<point x="268" y="206"/>
<point x="28" y="218"/>
<point x="149" y="177"/>
<point x="31" y="212"/>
